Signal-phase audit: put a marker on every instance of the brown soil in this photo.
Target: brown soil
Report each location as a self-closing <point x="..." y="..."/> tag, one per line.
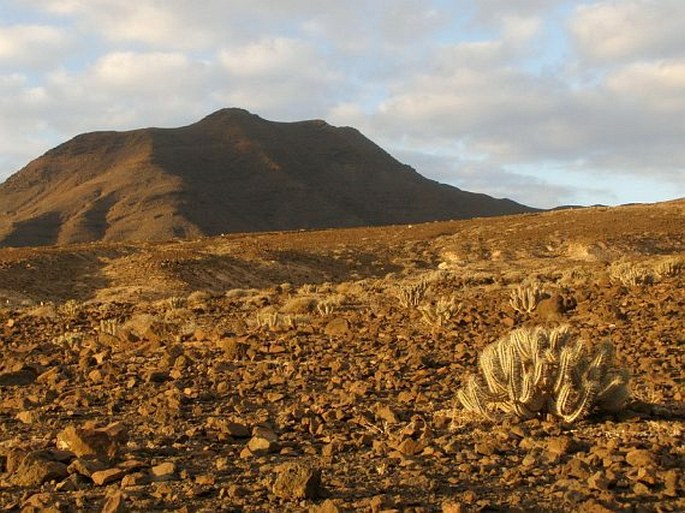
<point x="230" y="172"/>
<point x="285" y="372"/>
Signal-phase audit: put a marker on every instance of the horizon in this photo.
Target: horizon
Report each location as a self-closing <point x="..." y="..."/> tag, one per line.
<point x="546" y="103"/>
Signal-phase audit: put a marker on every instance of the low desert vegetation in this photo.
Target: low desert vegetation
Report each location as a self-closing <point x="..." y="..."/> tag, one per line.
<point x="525" y="298"/>
<point x="411" y="294"/>
<point x="536" y="371"/>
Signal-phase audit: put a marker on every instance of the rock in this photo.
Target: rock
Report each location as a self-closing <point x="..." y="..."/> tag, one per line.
<point x="103" y="477"/>
<point x="486" y="448"/>
<point x="386" y="414"/>
<point x="452" y="507"/>
<point x="598" y="481"/>
<point x="263" y="441"/>
<point x="18" y="378"/>
<point x="38" y="467"/>
<point x="670" y="479"/>
<point x="43" y="503"/>
<point x="640" y="458"/>
<point x="337" y="327"/>
<point x="237" y="430"/>
<point x="86" y="467"/>
<point x="87" y="441"/>
<point x="115" y="503"/>
<point x="380" y="503"/>
<point x="297" y="481"/>
<point x="135" y="479"/>
<point x="164" y="471"/>
<point x="559" y="446"/>
<point x="551" y="308"/>
<point x="233" y="349"/>
<point x="327" y="506"/>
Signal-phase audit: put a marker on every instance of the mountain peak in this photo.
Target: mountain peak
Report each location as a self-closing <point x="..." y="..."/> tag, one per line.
<point x="232" y="171"/>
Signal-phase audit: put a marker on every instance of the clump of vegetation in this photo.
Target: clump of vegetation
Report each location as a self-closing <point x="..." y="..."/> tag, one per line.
<point x="410" y="295"/>
<point x="538" y="371"/>
<point x="440" y="312"/>
<point x="668" y="267"/>
<point x="525" y="298"/>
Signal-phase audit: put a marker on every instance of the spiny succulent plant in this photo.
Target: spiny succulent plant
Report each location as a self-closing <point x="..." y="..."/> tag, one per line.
<point x="530" y="372"/>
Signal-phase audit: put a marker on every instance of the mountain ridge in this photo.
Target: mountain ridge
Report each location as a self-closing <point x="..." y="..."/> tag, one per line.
<point x="231" y="171"/>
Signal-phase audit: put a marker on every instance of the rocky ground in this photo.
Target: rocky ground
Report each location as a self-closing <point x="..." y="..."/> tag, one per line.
<point x="317" y="371"/>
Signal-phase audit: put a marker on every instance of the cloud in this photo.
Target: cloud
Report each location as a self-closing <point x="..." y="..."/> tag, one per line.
<point x="629" y="30"/>
<point x="30" y="46"/>
<point x="518" y="99"/>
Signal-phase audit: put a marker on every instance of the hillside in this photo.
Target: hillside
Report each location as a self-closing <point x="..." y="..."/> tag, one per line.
<point x="184" y="375"/>
<point x="230" y="172"/>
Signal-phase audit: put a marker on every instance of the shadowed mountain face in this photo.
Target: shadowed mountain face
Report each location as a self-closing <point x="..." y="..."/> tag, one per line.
<point x="230" y="172"/>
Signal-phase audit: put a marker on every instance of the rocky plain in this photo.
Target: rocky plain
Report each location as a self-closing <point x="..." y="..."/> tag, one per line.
<point x="317" y="370"/>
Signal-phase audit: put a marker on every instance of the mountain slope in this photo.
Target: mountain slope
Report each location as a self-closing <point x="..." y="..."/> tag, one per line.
<point x="232" y="171"/>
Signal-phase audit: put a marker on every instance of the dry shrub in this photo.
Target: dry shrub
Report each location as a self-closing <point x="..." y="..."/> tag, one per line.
<point x="300" y="305"/>
<point x="411" y="294"/>
<point x="630" y="274"/>
<point x="668" y="267"/>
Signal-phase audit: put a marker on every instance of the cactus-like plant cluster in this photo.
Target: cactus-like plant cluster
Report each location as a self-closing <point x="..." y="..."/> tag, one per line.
<point x="535" y="371"/>
<point x="525" y="298"/>
<point x="440" y="312"/>
<point x="410" y="294"/>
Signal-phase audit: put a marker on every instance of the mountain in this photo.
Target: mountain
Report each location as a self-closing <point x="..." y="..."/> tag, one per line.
<point x="230" y="172"/>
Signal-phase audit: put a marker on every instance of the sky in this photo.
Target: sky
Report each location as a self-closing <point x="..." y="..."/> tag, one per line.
<point x="547" y="102"/>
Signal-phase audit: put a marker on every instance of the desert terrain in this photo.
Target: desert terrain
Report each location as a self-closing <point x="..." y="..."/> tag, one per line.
<point x="318" y="370"/>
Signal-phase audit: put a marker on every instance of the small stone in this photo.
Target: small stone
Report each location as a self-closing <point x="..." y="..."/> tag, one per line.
<point x="598" y="481"/>
<point x="387" y="414"/>
<point x="18" y="378"/>
<point x="640" y="458"/>
<point x="87" y="441"/>
<point x="337" y="327"/>
<point x="486" y="448"/>
<point x="237" y="430"/>
<point x="26" y="417"/>
<point x="135" y="479"/>
<point x="103" y="477"/>
<point x="670" y="479"/>
<point x="38" y="467"/>
<point x="263" y="441"/>
<point x="115" y="503"/>
<point x="560" y="445"/>
<point x="85" y="467"/>
<point x="640" y="489"/>
<point x="327" y="506"/>
<point x="297" y="481"/>
<point x="529" y="460"/>
<point x="452" y="507"/>
<point x="205" y="480"/>
<point x="164" y="471"/>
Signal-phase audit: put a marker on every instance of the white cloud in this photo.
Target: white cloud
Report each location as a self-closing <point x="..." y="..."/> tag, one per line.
<point x="630" y="30"/>
<point x="658" y="84"/>
<point x="31" y="45"/>
<point x="503" y="94"/>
